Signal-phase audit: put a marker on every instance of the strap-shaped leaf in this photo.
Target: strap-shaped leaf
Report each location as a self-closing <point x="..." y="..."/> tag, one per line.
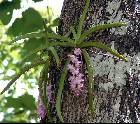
<point x="100" y="27"/>
<point x="34" y="51"/>
<point x="85" y="44"/>
<point x="68" y="33"/>
<point x="82" y="18"/>
<point x="43" y="82"/>
<point x="50" y="44"/>
<point x="28" y="35"/>
<point x="42" y="34"/>
<point x="104" y="47"/>
<point x="26" y="68"/>
<point x="59" y="37"/>
<point x="64" y="44"/>
<point x="90" y="79"/>
<point x="43" y="78"/>
<point x="56" y="57"/>
<point x="59" y="94"/>
<point x="74" y="33"/>
<point x="45" y="93"/>
<point x="46" y="33"/>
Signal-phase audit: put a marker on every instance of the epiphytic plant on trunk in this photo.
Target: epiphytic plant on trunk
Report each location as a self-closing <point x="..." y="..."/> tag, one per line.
<point x="78" y="43"/>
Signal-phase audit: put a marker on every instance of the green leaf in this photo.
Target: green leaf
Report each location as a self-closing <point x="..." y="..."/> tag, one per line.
<point x="100" y="27"/>
<point x="55" y="22"/>
<point x="56" y="57"/>
<point x="12" y="121"/>
<point x="13" y="102"/>
<point x="25" y="101"/>
<point x="44" y="81"/>
<point x="104" y="47"/>
<point x="31" y="21"/>
<point x="64" y="44"/>
<point x="59" y="94"/>
<point x="6" y="10"/>
<point x="42" y="34"/>
<point x="28" y="101"/>
<point x="28" y="35"/>
<point x="27" y="52"/>
<point x="30" y="56"/>
<point x="82" y="19"/>
<point x="59" y="37"/>
<point x="74" y="33"/>
<point x="18" y="111"/>
<point x="23" y="70"/>
<point x="90" y="79"/>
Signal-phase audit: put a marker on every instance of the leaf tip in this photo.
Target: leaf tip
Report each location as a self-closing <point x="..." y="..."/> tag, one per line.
<point x="2" y="92"/>
<point x="124" y="24"/>
<point x="124" y="58"/>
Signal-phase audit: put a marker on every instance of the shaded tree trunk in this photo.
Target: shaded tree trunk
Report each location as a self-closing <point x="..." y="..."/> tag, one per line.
<point x="117" y="83"/>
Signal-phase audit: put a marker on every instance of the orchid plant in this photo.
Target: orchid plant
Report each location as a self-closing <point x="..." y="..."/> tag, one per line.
<point x="73" y="64"/>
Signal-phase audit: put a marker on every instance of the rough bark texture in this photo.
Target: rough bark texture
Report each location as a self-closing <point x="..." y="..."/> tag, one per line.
<point x="117" y="83"/>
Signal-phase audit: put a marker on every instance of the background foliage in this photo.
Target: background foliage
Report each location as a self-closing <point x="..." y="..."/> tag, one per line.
<point x="19" y="103"/>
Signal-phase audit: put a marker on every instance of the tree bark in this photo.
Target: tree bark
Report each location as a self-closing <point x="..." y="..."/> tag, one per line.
<point x="117" y="83"/>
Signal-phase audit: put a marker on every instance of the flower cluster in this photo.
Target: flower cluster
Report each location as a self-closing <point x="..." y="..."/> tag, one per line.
<point x="41" y="109"/>
<point x="76" y="78"/>
<point x="49" y="93"/>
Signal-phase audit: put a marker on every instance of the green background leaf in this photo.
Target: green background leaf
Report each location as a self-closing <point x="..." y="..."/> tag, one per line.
<point x="30" y="46"/>
<point x="25" y="101"/>
<point x="30" y="22"/>
<point x="23" y="107"/>
<point x="6" y="10"/>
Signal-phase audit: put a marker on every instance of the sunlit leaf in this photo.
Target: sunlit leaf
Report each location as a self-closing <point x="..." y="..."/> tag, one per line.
<point x="55" y="22"/>
<point x="33" y="54"/>
<point x="26" y="68"/>
<point x="28" y="35"/>
<point x="6" y="10"/>
<point x="25" y="101"/>
<point x="29" y="46"/>
<point x="40" y="35"/>
<point x="28" y="101"/>
<point x="13" y="102"/>
<point x="30" y="22"/>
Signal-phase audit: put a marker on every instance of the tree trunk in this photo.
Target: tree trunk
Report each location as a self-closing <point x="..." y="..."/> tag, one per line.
<point x="117" y="83"/>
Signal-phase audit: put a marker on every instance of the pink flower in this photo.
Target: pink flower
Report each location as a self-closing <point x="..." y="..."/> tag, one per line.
<point x="71" y="67"/>
<point x="49" y="93"/>
<point x="76" y="78"/>
<point x="78" y="64"/>
<point x="73" y="58"/>
<point x="75" y="72"/>
<point x="81" y="75"/>
<point x="77" y="88"/>
<point x="77" y="51"/>
<point x="41" y="110"/>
